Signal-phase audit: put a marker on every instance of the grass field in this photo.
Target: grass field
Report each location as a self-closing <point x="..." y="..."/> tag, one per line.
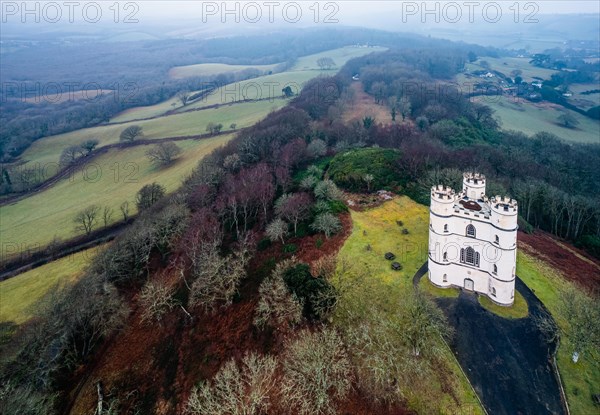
<point x="584" y="101"/>
<point x="531" y="118"/>
<point x="111" y="179"/>
<point x="383" y="234"/>
<point x="267" y="86"/>
<point x="47" y="150"/>
<point x="19" y="295"/>
<point x="581" y="379"/>
<point x="507" y="65"/>
<point x="207" y="69"/>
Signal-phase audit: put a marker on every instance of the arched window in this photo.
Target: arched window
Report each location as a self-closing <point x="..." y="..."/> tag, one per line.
<point x="495" y="269"/>
<point x="493" y="291"/>
<point x="471" y="231"/>
<point x="497" y="239"/>
<point x="469" y="256"/>
<point x="445" y="256"/>
<point x="445" y="278"/>
<point x="445" y="228"/>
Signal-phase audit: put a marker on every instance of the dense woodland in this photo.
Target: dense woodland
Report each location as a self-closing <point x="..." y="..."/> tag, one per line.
<point x="265" y="186"/>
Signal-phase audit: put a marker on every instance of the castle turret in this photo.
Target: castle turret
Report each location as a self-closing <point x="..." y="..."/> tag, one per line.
<point x="474" y="185"/>
<point x="504" y="212"/>
<point x="442" y="200"/>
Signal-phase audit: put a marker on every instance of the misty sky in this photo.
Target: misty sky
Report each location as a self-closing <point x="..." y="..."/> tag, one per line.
<point x="353" y="11"/>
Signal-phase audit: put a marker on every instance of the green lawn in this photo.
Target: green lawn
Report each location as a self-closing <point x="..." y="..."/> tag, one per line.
<point x="384" y="235"/>
<point x="18" y="295"/>
<point x="428" y="287"/>
<point x="385" y="286"/>
<point x="111" y="179"/>
<point x="518" y="114"/>
<point x="519" y="309"/>
<point x="581" y="379"/>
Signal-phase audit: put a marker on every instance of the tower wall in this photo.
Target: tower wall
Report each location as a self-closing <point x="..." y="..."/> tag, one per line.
<point x="495" y="241"/>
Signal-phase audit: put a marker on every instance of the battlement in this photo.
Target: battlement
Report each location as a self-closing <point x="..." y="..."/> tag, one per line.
<point x="474" y="178"/>
<point x="503" y="205"/>
<point x="443" y="193"/>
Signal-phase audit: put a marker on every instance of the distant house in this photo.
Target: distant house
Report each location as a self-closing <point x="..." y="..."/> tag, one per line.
<point x="355" y="77"/>
<point x="536" y="84"/>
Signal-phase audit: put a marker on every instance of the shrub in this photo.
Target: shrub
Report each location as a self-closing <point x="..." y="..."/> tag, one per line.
<point x="289" y="248"/>
<point x="524" y="225"/>
<point x="404" y="231"/>
<point x="263" y="244"/>
<point x="318" y="296"/>
<point x="349" y="169"/>
<point x="149" y="195"/>
<point x="327" y="190"/>
<point x="591" y="244"/>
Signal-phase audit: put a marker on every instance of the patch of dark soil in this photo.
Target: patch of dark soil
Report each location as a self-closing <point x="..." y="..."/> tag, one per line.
<point x="573" y="263"/>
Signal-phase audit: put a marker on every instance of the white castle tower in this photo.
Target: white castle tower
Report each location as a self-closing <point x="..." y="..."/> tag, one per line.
<point x="473" y="240"/>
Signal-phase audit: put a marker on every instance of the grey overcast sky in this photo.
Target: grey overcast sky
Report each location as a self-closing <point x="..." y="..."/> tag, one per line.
<point x="355" y="10"/>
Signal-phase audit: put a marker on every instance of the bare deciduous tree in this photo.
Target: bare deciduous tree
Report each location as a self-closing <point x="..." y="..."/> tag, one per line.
<point x="131" y="133"/>
<point x="156" y="299"/>
<point x="163" y="153"/>
<point x="326" y="223"/>
<point x="216" y="277"/>
<point x="277" y="307"/>
<point x="317" y="372"/>
<point x="107" y="214"/>
<point x="246" y="390"/>
<point x="277" y="230"/>
<point x="125" y="210"/>
<point x="86" y="219"/>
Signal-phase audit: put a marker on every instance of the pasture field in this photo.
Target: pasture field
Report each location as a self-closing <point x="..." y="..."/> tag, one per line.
<point x="506" y="65"/>
<point x="267" y="86"/>
<point x="111" y="179"/>
<point x="385" y="286"/>
<point x="18" y="295"/>
<point x="340" y="57"/>
<point x="580" y="380"/>
<point x="207" y="69"/>
<point x="530" y="118"/>
<point x="48" y="150"/>
<point x="584" y="101"/>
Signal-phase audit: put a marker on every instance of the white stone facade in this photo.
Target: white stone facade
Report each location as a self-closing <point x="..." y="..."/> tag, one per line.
<point x="473" y="240"/>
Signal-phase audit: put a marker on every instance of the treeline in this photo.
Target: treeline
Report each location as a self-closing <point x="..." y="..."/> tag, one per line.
<point x="556" y="182"/>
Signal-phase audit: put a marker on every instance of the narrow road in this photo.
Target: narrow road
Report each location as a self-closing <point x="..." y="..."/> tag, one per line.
<point x="507" y="361"/>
